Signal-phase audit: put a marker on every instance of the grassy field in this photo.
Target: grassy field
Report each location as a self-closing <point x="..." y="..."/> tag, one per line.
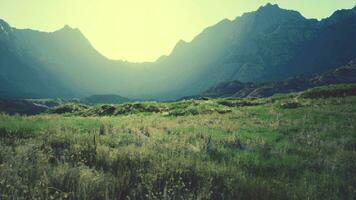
<point x="295" y="146"/>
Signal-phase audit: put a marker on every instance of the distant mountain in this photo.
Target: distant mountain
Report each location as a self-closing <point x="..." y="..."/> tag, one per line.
<point x="269" y="44"/>
<point x="35" y="106"/>
<point x="23" y="107"/>
<point x="104" y="99"/>
<point x="345" y="74"/>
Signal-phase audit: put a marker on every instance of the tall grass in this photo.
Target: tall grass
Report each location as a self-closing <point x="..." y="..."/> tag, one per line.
<point x="259" y="151"/>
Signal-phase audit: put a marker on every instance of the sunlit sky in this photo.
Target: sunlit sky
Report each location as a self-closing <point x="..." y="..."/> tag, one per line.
<point x="143" y="30"/>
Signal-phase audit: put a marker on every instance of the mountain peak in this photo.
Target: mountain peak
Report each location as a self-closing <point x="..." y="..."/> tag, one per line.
<point x="180" y="44"/>
<point x="4" y="26"/>
<point x="273" y="13"/>
<point x="269" y="6"/>
<point x="67" y="28"/>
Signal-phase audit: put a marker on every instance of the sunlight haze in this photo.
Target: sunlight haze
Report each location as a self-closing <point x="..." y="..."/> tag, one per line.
<point x="139" y="30"/>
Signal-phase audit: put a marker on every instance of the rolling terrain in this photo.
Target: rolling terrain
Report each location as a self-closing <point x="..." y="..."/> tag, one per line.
<point x="14" y="106"/>
<point x="291" y="146"/>
<point x="345" y="74"/>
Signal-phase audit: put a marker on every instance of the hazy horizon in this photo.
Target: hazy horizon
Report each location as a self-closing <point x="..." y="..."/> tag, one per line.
<point x="136" y="31"/>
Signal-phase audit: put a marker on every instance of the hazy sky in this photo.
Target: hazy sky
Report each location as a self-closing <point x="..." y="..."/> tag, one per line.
<point x="143" y="30"/>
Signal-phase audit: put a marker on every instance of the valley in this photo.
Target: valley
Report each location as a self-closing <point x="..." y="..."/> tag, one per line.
<point x="260" y="107"/>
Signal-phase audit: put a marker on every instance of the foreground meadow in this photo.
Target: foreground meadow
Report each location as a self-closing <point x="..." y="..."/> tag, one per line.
<point x="296" y="146"/>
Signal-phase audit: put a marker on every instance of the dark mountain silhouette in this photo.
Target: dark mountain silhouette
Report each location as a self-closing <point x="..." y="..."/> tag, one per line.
<point x="104" y="99"/>
<point x="269" y="44"/>
<point x="19" y="106"/>
<point x="345" y="74"/>
<point x="35" y="106"/>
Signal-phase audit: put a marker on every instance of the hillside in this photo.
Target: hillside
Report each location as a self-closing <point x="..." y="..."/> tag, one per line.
<point x="24" y="107"/>
<point x="104" y="99"/>
<point x="293" y="146"/>
<point x="345" y="74"/>
<point x="15" y="106"/>
<point x="269" y="44"/>
<point x="201" y="105"/>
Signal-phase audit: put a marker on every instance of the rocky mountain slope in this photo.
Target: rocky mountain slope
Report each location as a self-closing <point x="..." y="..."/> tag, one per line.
<point x="269" y="44"/>
<point x="345" y="74"/>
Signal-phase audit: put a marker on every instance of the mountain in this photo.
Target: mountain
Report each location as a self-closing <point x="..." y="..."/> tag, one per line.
<point x="22" y="75"/>
<point x="104" y="99"/>
<point x="35" y="106"/>
<point x="23" y="107"/>
<point x="269" y="44"/>
<point x="344" y="74"/>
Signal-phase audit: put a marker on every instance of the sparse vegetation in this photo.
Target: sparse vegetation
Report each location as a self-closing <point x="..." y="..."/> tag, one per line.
<point x="340" y="90"/>
<point x="198" y="149"/>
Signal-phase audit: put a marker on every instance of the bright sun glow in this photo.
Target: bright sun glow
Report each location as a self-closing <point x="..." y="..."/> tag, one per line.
<point x="142" y="30"/>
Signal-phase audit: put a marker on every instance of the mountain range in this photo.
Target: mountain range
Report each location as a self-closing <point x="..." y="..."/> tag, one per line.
<point x="270" y="44"/>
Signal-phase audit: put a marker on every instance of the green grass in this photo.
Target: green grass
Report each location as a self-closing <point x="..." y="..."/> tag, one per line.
<point x="199" y="149"/>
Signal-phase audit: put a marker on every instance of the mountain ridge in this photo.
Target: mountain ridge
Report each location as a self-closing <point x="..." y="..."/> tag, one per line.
<point x="341" y="75"/>
<point x="265" y="45"/>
